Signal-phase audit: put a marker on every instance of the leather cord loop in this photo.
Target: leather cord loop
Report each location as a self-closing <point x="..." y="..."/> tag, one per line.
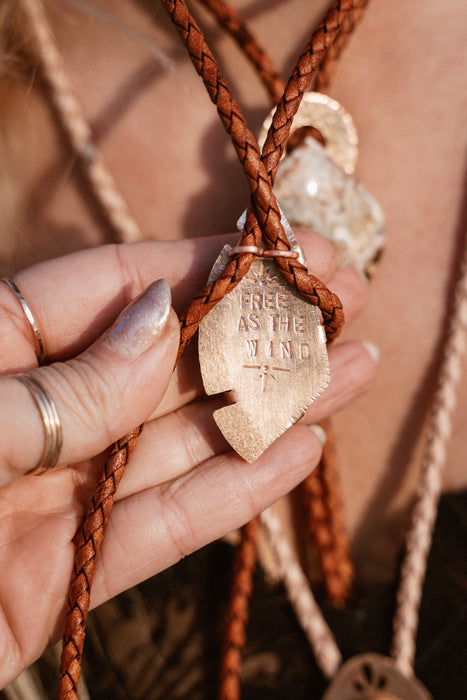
<point x="263" y="217"/>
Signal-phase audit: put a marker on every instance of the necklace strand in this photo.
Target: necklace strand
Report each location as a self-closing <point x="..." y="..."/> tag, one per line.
<point x="74" y="124"/>
<point x="419" y="538"/>
<point x="438" y="434"/>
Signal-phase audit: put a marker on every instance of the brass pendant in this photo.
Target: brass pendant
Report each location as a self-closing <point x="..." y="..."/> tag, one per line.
<point x="374" y="677"/>
<point x="265" y="347"/>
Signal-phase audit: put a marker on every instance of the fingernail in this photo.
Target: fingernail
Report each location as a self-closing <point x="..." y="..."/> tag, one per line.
<point x="319" y="432"/>
<point x="372" y="350"/>
<point x="142" y="322"/>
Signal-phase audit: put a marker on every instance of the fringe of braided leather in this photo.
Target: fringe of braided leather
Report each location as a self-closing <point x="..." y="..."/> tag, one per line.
<point x="238" y="612"/>
<point x="323" y="502"/>
<point x="263" y="222"/>
<point x="88" y="544"/>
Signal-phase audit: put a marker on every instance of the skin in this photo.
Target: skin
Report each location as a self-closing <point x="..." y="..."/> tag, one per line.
<point x="182" y="468"/>
<point x="408" y="108"/>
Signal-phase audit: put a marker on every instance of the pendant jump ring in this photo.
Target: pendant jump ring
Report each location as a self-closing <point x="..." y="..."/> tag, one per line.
<point x="263" y="253"/>
<point x="280" y="254"/>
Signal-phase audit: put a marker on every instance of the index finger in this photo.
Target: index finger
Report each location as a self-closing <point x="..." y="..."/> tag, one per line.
<point x="75" y="298"/>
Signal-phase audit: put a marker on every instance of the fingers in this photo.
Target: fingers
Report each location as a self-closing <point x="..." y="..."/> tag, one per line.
<point x="176" y="443"/>
<point x="164" y="508"/>
<point x="196" y="506"/>
<point x="352" y="290"/>
<point x="218" y="496"/>
<point x="76" y="297"/>
<point x="353" y="367"/>
<point x="70" y="318"/>
<point x="146" y="532"/>
<point x="100" y="395"/>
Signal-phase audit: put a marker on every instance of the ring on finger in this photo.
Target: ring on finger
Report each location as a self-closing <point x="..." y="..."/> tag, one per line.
<point x="50" y="419"/>
<point x="40" y="350"/>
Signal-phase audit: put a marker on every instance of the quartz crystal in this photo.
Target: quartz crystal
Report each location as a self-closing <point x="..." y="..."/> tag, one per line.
<point x="315" y="193"/>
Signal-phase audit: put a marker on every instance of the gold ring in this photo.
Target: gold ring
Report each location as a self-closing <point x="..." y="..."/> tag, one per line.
<point x="40" y="351"/>
<point x="50" y="419"/>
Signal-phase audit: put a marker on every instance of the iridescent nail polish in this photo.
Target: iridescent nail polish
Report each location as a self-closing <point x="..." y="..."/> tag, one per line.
<point x="142" y="322"/>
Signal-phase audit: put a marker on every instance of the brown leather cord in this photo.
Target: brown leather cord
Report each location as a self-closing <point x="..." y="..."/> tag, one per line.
<point x="323" y="502"/>
<point x="233" y="23"/>
<point x="263" y="218"/>
<point x="336" y="564"/>
<point x="88" y="544"/>
<point x="338" y="575"/>
<point x="328" y="65"/>
<point x="263" y="223"/>
<point x="238" y="612"/>
<point x="322" y="488"/>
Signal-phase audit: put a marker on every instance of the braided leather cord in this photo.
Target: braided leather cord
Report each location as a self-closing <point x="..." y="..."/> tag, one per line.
<point x="88" y="544"/>
<point x="233" y="23"/>
<point x="328" y="530"/>
<point x="263" y="222"/>
<point x="238" y="612"/>
<point x="322" y="491"/>
<point x="263" y="218"/>
<point x="323" y="502"/>
<point x="328" y="65"/>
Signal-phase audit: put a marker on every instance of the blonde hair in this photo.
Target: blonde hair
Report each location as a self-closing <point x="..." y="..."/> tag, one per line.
<point x="16" y="70"/>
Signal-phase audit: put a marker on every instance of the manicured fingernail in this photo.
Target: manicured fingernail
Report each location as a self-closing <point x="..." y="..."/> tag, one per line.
<point x="142" y="322"/>
<point x="319" y="432"/>
<point x="372" y="350"/>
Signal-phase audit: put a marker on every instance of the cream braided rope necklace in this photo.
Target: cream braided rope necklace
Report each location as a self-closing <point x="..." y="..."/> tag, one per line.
<point x="419" y="537"/>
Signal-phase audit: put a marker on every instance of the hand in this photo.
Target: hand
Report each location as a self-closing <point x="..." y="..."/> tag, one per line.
<point x="183" y="487"/>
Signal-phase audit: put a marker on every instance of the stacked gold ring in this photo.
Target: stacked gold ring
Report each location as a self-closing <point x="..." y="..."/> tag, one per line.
<point x="40" y="350"/>
<point x="50" y="419"/>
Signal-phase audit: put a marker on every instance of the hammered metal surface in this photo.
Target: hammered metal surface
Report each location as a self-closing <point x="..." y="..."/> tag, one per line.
<point x="316" y="194"/>
<point x="267" y="347"/>
<point x="374" y="677"/>
<point x="332" y="120"/>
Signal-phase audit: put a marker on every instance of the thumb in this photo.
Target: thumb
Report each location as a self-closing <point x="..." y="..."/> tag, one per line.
<point x="101" y="394"/>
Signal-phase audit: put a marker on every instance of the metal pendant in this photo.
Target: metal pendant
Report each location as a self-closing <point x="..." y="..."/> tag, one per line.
<point x="333" y="122"/>
<point x="374" y="677"/>
<point x="264" y="347"/>
<point x="316" y="190"/>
